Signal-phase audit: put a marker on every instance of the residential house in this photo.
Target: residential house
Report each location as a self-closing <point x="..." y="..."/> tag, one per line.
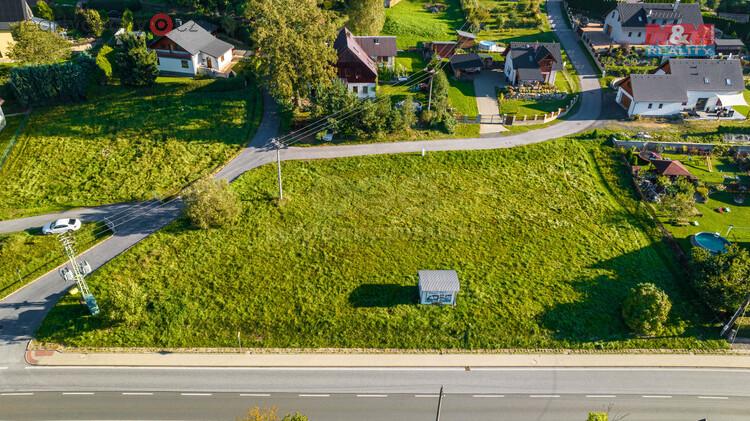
<point x="466" y="64"/>
<point x="189" y="50"/>
<point x="354" y="66"/>
<point x="382" y="50"/>
<point x="729" y="46"/>
<point x="532" y="63"/>
<point x="700" y="85"/>
<point x="11" y="11"/>
<point x="443" y="49"/>
<point x="626" y="23"/>
<point x="671" y="168"/>
<point x="466" y="40"/>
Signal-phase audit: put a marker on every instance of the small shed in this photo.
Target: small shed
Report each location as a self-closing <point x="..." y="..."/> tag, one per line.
<point x="438" y="287"/>
<point x="463" y="64"/>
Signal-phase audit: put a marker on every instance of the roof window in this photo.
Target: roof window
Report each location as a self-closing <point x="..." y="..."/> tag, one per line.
<point x="729" y="82"/>
<point x="706" y="80"/>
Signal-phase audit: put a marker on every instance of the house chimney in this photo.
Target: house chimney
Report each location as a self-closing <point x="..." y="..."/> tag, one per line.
<point x="178" y="22"/>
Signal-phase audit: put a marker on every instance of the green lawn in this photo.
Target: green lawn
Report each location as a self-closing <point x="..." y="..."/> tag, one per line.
<point x="410" y="62"/>
<point x="524" y="107"/>
<point x="412" y="23"/>
<point x="7" y="134"/>
<point x="126" y="144"/>
<point x="462" y="97"/>
<point x="24" y="256"/>
<point x="544" y="252"/>
<point x="514" y="30"/>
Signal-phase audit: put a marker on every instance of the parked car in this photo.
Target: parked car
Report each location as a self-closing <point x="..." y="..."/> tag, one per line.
<point x="62" y="226"/>
<point x="415" y="104"/>
<point x="326" y="136"/>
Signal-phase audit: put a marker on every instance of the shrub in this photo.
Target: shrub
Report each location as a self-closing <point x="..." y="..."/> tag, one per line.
<point x="51" y="83"/>
<point x="723" y="280"/>
<point x="210" y="203"/>
<point x="646" y="309"/>
<point x="136" y="65"/>
<point x="90" y="21"/>
<point x="35" y="46"/>
<point x="127" y="303"/>
<point x="127" y="20"/>
<point x="42" y="10"/>
<point x="104" y="63"/>
<point x="598" y="416"/>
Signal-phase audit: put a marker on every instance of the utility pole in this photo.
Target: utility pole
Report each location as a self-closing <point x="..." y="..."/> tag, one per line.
<point x="440" y="404"/>
<point x="740" y="311"/>
<point x="429" y="98"/>
<point x="278" y="166"/>
<point x="77" y="271"/>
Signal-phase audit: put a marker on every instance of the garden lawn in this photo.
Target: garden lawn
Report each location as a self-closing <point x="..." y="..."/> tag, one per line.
<point x="462" y="97"/>
<point x="543" y="251"/>
<point x="411" y="23"/>
<point x="520" y="30"/>
<point x="7" y="134"/>
<point x="524" y="107"/>
<point x="24" y="256"/>
<point x="126" y="144"/>
<point x="410" y="62"/>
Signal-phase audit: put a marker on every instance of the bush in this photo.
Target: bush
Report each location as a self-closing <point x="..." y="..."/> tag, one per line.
<point x="126" y="304"/>
<point x="42" y="10"/>
<point x="90" y="21"/>
<point x="127" y="20"/>
<point x="104" y="62"/>
<point x="646" y="309"/>
<point x="598" y="416"/>
<point x="35" y="46"/>
<point x="53" y="83"/>
<point x="210" y="203"/>
<point x="136" y="65"/>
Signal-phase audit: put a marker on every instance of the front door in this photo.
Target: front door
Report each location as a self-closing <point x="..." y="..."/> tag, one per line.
<point x="701" y="104"/>
<point x="209" y="63"/>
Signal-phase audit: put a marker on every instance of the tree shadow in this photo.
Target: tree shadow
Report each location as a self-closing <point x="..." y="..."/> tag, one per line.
<point x="596" y="315"/>
<point x="383" y="295"/>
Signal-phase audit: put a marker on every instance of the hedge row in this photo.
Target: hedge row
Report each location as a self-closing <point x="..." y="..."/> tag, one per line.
<point x="53" y="83"/>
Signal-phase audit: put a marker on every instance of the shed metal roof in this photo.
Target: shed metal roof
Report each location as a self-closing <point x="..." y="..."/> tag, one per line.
<point x="438" y="280"/>
<point x="194" y="39"/>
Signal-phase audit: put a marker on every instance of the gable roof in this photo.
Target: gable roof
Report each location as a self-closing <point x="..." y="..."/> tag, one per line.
<point x="378" y="46"/>
<point x="683" y="75"/>
<point x="464" y="34"/>
<point x="194" y="39"/>
<point x="349" y="50"/>
<point x="12" y="11"/>
<point x="528" y="55"/>
<point x="438" y="280"/>
<point x="444" y="49"/>
<point x="637" y="15"/>
<point x="672" y="168"/>
<point x="466" y="61"/>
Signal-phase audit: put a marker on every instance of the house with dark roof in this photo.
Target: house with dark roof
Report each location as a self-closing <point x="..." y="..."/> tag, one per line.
<point x="626" y="23"/>
<point x="190" y="50"/>
<point x="382" y="50"/>
<point x="671" y="168"/>
<point x="702" y="85"/>
<point x="11" y="12"/>
<point x="354" y="66"/>
<point x="532" y="62"/>
<point x="466" y="64"/>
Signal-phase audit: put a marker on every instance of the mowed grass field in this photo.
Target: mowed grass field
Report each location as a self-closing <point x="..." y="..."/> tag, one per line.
<point x="411" y="22"/>
<point x="126" y="144"/>
<point x="24" y="256"/>
<point x="543" y="251"/>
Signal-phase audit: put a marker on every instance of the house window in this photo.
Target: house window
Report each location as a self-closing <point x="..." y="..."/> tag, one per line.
<point x="684" y="103"/>
<point x="630" y="34"/>
<point x="650" y="106"/>
<point x="184" y="64"/>
<point x="355" y="89"/>
<point x="639" y="34"/>
<point x="158" y="62"/>
<point x="364" y="89"/>
<point x="661" y="106"/>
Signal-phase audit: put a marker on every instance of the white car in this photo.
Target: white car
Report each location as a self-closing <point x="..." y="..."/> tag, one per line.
<point x="62" y="226"/>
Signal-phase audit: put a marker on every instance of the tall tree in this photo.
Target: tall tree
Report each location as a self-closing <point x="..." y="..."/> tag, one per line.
<point x="366" y="17"/>
<point x="35" y="46"/>
<point x="722" y="279"/>
<point x="136" y="65"/>
<point x="294" y="41"/>
<point x="90" y="21"/>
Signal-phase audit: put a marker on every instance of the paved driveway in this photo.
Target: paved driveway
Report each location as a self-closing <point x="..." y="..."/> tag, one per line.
<point x="485" y="89"/>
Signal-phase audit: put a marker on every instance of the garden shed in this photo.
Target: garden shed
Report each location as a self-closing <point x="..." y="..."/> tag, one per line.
<point x="438" y="287"/>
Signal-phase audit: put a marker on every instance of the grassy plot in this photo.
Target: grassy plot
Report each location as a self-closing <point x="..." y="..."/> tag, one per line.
<point x="519" y="25"/>
<point x="462" y="97"/>
<point x="544" y="252"/>
<point x="411" y="22"/>
<point x="24" y="256"/>
<point x="126" y="144"/>
<point x="410" y="61"/>
<point x="7" y="134"/>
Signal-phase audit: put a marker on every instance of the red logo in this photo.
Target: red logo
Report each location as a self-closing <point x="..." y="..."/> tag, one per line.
<point x="678" y="35"/>
<point x="161" y="24"/>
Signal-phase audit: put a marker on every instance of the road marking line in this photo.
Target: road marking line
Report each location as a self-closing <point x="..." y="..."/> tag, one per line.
<point x="314" y="395"/>
<point x="137" y="393"/>
<point x="656" y="396"/>
<point x="544" y="396"/>
<point x="712" y="397"/>
<point x="372" y="396"/>
<point x="487" y="396"/>
<point x="601" y="396"/>
<point x="17" y="394"/>
<point x="426" y="396"/>
<point x="196" y="394"/>
<point x="77" y="393"/>
<point x="256" y="395"/>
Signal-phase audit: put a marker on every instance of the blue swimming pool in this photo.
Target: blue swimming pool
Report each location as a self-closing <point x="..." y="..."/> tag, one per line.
<point x="710" y="241"/>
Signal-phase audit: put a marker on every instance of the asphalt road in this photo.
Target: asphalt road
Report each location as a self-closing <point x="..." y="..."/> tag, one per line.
<point x="366" y="407"/>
